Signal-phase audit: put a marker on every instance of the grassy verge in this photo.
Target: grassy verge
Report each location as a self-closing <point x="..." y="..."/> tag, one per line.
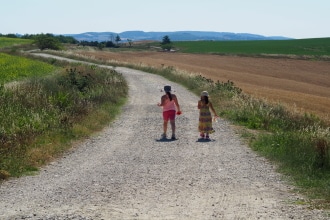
<point x="41" y="116"/>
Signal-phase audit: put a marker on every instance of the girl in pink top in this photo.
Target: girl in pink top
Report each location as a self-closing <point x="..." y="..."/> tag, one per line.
<point x="171" y="107"/>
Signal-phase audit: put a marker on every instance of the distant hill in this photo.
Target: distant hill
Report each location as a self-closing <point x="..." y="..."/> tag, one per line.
<point x="174" y="36"/>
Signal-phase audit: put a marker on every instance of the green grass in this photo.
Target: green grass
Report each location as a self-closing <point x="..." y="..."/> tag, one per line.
<point x="10" y="42"/>
<point x="17" y="68"/>
<point x="304" y="47"/>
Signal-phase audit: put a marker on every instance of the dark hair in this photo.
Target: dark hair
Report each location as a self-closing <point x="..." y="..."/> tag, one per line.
<point x="206" y="100"/>
<point x="169" y="95"/>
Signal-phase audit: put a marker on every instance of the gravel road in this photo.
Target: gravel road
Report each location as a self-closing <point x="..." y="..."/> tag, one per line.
<point x="126" y="172"/>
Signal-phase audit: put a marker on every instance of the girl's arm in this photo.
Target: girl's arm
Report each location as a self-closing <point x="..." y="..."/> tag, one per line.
<point x="162" y="101"/>
<point x="211" y="107"/>
<point x="176" y="102"/>
<point x="199" y="104"/>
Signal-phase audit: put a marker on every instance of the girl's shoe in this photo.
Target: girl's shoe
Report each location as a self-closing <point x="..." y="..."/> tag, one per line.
<point x="163" y="136"/>
<point x="208" y="137"/>
<point x="202" y="135"/>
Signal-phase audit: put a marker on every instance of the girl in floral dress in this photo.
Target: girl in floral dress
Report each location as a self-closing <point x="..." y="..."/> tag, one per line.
<point x="205" y="117"/>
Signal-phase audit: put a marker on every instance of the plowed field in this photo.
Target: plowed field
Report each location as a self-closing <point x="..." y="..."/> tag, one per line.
<point x="303" y="85"/>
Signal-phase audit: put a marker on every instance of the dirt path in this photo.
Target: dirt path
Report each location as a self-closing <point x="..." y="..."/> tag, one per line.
<point x="125" y="172"/>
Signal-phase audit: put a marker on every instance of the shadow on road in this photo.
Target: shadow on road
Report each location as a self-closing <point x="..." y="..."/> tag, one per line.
<point x="165" y="140"/>
<point x="203" y="140"/>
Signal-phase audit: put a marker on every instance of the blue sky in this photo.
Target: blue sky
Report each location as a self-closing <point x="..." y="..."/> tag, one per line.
<point x="290" y="18"/>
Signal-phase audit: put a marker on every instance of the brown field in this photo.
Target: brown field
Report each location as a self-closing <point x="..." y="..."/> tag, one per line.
<point x="302" y="85"/>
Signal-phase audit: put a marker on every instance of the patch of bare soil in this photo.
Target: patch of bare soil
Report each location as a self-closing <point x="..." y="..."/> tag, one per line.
<point x="300" y="84"/>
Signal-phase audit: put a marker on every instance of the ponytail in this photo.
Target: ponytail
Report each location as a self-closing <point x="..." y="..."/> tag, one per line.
<point x="169" y="95"/>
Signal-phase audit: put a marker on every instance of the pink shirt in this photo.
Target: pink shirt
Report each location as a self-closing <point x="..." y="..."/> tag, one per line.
<point x="169" y="105"/>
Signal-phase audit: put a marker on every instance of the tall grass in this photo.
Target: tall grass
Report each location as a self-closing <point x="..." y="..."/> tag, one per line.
<point x="38" y="114"/>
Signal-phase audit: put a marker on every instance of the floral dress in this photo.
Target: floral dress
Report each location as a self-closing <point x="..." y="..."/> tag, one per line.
<point x="205" y="119"/>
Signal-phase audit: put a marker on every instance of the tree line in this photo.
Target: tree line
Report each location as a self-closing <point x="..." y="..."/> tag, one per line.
<point x="51" y="41"/>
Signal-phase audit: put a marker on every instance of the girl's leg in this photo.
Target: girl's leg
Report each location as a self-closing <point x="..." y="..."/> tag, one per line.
<point x="165" y="126"/>
<point x="173" y="127"/>
<point x="172" y="121"/>
<point x="165" y="122"/>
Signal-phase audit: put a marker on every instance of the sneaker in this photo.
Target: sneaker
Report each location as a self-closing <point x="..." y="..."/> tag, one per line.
<point x="163" y="136"/>
<point x="173" y="137"/>
<point x="202" y="136"/>
<point x="207" y="137"/>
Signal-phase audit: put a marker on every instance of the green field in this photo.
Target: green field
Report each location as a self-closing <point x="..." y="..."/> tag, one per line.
<point x="16" y="68"/>
<point x="304" y="47"/>
<point x="9" y="42"/>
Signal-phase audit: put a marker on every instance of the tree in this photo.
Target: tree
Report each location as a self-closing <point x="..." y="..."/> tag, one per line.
<point x="109" y="44"/>
<point x="67" y="39"/>
<point x="11" y="35"/>
<point x="101" y="45"/>
<point x="47" y="41"/>
<point x="129" y="42"/>
<point x="166" y="44"/>
<point x="166" y="40"/>
<point x="117" y="39"/>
